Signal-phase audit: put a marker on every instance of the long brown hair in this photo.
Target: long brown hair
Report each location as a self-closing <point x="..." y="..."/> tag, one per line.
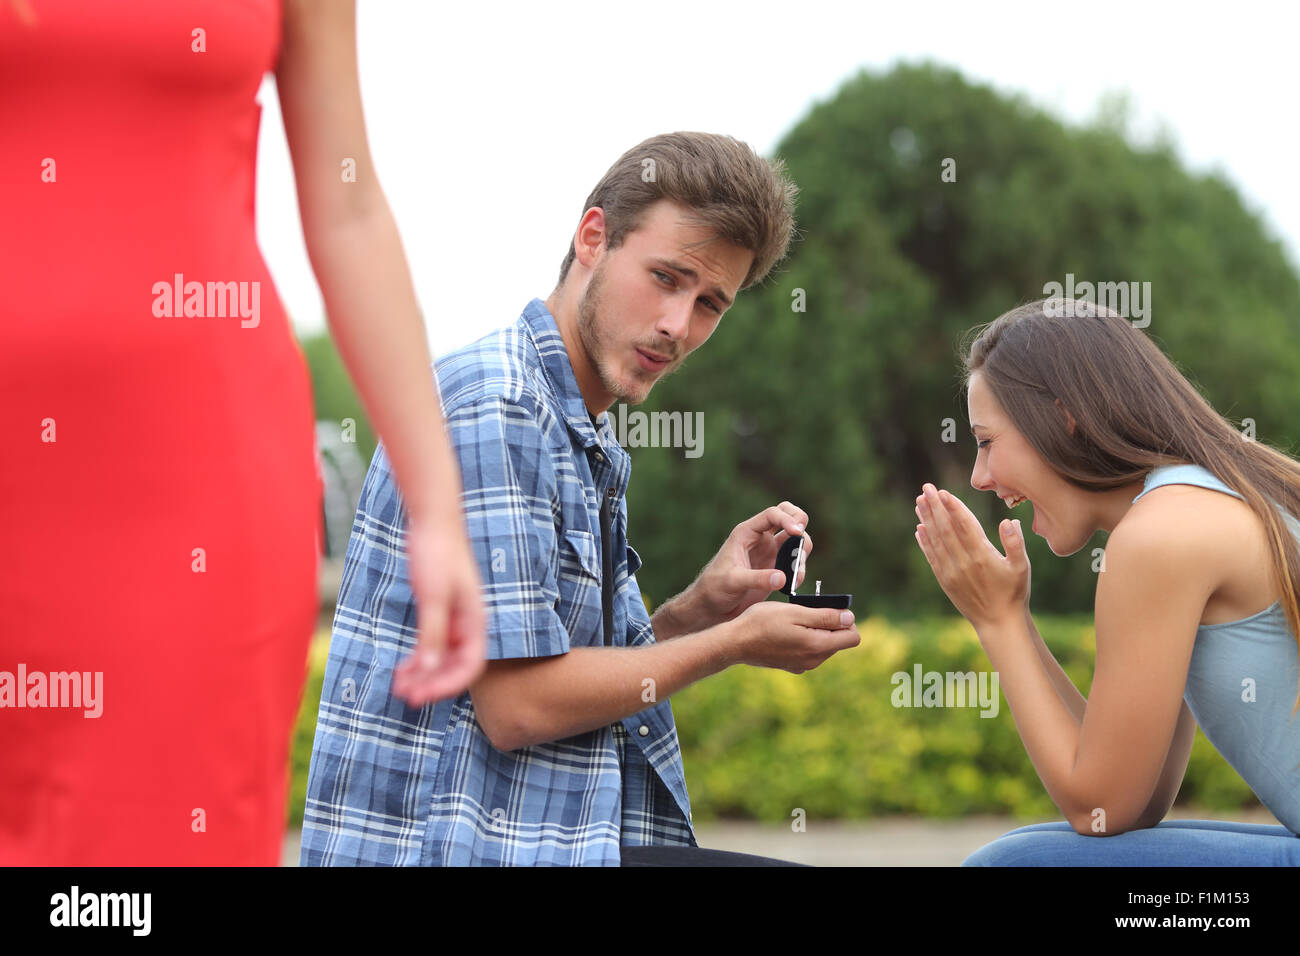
<point x="1133" y="411"/>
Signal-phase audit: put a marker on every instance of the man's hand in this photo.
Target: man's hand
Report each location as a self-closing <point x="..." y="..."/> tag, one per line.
<point x="742" y="573"/>
<point x="792" y="637"/>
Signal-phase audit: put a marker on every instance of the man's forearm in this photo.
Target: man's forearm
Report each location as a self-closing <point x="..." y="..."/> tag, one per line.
<point x="537" y="700"/>
<point x="678" y="615"/>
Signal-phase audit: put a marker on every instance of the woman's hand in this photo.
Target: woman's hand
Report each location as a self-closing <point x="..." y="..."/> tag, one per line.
<point x="986" y="587"/>
<point x="451" y="647"/>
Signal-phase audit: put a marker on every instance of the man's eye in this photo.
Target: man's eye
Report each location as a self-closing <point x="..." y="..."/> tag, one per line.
<point x="709" y="303"/>
<point x="663" y="275"/>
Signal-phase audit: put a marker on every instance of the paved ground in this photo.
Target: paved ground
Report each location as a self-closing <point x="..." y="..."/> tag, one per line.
<point x="893" y="841"/>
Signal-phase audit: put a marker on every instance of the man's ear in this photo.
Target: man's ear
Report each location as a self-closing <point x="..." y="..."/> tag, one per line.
<point x="1069" y="419"/>
<point x="590" y="239"/>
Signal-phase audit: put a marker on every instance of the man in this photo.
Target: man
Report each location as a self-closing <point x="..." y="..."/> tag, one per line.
<point x="565" y="750"/>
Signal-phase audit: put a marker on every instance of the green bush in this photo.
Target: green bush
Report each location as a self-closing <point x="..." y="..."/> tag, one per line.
<point x="304" y="729"/>
<point x="841" y="405"/>
<point x="758" y="744"/>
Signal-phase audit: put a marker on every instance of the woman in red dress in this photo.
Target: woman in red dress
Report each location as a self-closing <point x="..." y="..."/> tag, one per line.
<point x="158" y="494"/>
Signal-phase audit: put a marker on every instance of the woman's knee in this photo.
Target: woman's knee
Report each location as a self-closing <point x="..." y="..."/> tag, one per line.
<point x="1019" y="847"/>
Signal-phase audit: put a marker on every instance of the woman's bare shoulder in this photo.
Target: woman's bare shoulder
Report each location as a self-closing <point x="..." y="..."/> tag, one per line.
<point x="1223" y="533"/>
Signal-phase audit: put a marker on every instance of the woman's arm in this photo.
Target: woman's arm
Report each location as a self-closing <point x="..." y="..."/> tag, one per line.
<point x="1171" y="777"/>
<point x="1175" y="765"/>
<point x="370" y="304"/>
<point x="1127" y="756"/>
<point x="1074" y="702"/>
<point x="1105" y="770"/>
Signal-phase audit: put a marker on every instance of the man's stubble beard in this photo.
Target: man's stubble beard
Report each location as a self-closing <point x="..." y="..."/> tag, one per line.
<point x="594" y="342"/>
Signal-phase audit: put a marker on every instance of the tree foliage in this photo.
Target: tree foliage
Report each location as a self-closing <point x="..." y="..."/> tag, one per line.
<point x="841" y="408"/>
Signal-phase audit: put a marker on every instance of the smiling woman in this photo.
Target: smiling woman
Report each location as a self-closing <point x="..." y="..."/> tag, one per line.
<point x="1197" y="617"/>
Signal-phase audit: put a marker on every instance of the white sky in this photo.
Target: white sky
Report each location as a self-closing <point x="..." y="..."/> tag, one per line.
<point x="490" y="123"/>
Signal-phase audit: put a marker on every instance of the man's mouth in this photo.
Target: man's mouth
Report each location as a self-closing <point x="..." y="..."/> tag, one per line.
<point x="651" y="361"/>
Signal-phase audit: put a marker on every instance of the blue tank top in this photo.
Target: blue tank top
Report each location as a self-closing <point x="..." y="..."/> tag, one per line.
<point x="1258" y="737"/>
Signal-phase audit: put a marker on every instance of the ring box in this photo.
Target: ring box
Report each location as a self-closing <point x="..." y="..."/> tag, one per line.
<point x="787" y="557"/>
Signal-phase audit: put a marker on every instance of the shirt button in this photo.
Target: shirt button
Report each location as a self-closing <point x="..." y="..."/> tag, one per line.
<point x="643" y="730"/>
<point x="599" y="456"/>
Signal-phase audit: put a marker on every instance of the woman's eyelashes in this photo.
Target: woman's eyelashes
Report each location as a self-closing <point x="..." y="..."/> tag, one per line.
<point x="981" y="444"/>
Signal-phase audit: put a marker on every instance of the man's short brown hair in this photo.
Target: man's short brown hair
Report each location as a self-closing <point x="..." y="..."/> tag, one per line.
<point x="733" y="191"/>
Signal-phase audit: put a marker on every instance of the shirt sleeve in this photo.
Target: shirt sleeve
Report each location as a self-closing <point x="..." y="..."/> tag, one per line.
<point x="509" y="488"/>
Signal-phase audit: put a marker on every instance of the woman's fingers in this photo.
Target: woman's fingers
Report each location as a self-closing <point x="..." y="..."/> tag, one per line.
<point x="924" y="544"/>
<point x="965" y="528"/>
<point x="938" y="526"/>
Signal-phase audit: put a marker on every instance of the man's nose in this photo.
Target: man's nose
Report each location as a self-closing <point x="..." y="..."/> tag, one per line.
<point x="676" y="322"/>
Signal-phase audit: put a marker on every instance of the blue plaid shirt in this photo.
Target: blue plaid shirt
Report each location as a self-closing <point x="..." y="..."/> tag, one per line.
<point x="395" y="786"/>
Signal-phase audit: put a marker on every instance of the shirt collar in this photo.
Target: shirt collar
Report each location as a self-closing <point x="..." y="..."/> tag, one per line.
<point x="558" y="369"/>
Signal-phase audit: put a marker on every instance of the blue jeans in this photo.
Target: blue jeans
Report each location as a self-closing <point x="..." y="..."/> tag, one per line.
<point x="1172" y="843"/>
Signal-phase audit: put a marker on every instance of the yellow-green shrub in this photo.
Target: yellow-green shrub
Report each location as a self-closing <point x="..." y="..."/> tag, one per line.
<point x="759" y="744"/>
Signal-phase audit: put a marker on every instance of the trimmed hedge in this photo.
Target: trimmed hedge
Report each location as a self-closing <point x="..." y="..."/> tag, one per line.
<point x="760" y="744"/>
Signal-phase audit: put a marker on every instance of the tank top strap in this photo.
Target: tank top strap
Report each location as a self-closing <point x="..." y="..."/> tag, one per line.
<point x="1187" y="474"/>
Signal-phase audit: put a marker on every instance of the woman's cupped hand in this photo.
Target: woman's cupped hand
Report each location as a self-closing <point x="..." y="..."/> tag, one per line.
<point x="985" y="585"/>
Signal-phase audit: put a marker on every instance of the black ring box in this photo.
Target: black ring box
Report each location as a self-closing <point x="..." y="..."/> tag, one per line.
<point x="785" y="564"/>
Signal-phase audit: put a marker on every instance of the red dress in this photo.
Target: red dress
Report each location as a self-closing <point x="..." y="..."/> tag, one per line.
<point x="159" y="498"/>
